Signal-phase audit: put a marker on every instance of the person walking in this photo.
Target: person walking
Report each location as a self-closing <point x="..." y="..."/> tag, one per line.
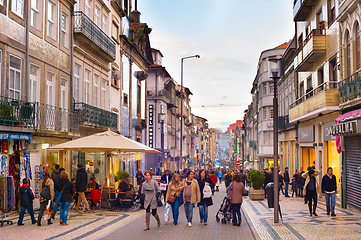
<point x="191" y="196"/>
<point x="205" y="202"/>
<point x="267" y="179"/>
<point x="56" y="172"/>
<point x="46" y="181"/>
<point x="151" y="192"/>
<point x="166" y="178"/>
<point x="311" y="189"/>
<point x="56" y="205"/>
<point x="329" y="190"/>
<point x="26" y="202"/>
<point x="301" y="183"/>
<point x="228" y="178"/>
<point x="140" y="177"/>
<point x="80" y="186"/>
<point x="220" y="176"/>
<point x="286" y="179"/>
<point x="238" y="190"/>
<point x="280" y="183"/>
<point x="172" y="197"/>
<point x="243" y="177"/>
<point x="294" y="187"/>
<point x="65" y="186"/>
<point x="297" y="176"/>
<point x="213" y="177"/>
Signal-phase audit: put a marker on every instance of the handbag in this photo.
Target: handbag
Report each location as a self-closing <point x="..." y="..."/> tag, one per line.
<point x="230" y="192"/>
<point x="160" y="204"/>
<point x="58" y="195"/>
<point x="45" y="193"/>
<point x="171" y="198"/>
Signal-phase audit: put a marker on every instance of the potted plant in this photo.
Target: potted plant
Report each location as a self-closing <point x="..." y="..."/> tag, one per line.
<point x="257" y="180"/>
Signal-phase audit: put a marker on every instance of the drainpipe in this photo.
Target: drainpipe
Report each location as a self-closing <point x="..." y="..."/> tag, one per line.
<point x="71" y="57"/>
<point x="27" y="63"/>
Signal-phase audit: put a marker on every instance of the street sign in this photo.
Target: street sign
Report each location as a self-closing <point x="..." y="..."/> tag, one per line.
<point x="91" y="164"/>
<point x="238" y="163"/>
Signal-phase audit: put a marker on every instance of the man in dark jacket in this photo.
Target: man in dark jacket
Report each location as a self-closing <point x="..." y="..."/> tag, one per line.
<point x="27" y="197"/>
<point x="329" y="189"/>
<point x="80" y="186"/>
<point x="267" y="179"/>
<point x="243" y="177"/>
<point x="228" y="179"/>
<point x="296" y="176"/>
<point x="166" y="178"/>
<point x="56" y="204"/>
<point x="56" y="172"/>
<point x="286" y="179"/>
<point x="140" y="177"/>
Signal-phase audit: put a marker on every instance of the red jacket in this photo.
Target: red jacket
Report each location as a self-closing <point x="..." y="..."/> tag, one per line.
<point x="213" y="178"/>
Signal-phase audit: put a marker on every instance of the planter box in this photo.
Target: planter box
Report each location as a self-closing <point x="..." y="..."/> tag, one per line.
<point x="256" y="194"/>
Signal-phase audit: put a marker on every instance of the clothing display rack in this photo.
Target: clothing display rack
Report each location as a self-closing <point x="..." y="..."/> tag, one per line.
<point x="7" y="198"/>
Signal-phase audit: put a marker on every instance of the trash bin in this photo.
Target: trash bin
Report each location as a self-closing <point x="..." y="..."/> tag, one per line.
<point x="270" y="194"/>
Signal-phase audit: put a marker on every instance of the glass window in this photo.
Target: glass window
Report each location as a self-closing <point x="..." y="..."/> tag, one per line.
<point x="95" y="90"/>
<point x="51" y="25"/>
<point x="97" y="17"/>
<point x="87" y="7"/>
<point x="104" y="83"/>
<point x="105" y="19"/>
<point x="86" y="85"/>
<point x="49" y="89"/>
<point x="15" y="77"/>
<point x="265" y="113"/>
<point x="35" y="14"/>
<point x="271" y="88"/>
<point x="76" y="82"/>
<point x="63" y="95"/>
<point x="265" y="88"/>
<point x="357" y="33"/>
<point x="17" y="7"/>
<point x="34" y="83"/>
<point x="63" y="35"/>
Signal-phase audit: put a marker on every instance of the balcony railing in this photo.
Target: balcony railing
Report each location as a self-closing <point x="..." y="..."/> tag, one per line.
<point x="17" y="113"/>
<point x="350" y="88"/>
<point x="313" y="92"/>
<point x="283" y="122"/>
<point x="83" y="24"/>
<point x="158" y="93"/>
<point x="95" y="116"/>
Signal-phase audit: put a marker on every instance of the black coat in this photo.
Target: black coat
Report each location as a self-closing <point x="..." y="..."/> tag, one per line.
<point x="286" y="176"/>
<point x="297" y="178"/>
<point x="201" y="184"/>
<point x="81" y="180"/>
<point x="328" y="184"/>
<point x="163" y="178"/>
<point x="67" y="195"/>
<point x="26" y="195"/>
<point x="228" y="179"/>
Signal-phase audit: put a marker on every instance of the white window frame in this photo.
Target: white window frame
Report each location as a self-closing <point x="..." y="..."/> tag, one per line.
<point x="87" y="74"/>
<point x="95" y="90"/>
<point x="103" y="93"/>
<point x="35" y="96"/>
<point x="17" y="7"/>
<point x="63" y="31"/>
<point x="50" y="84"/>
<point x="50" y="23"/>
<point x="104" y="23"/>
<point x="265" y="88"/>
<point x="87" y="7"/>
<point x="15" y="70"/>
<point x="35" y="14"/>
<point x="76" y="83"/>
<point x="63" y="93"/>
<point x="97" y="13"/>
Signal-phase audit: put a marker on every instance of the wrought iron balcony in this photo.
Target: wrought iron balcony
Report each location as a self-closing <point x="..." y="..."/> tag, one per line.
<point x="350" y="89"/>
<point x="152" y="92"/>
<point x="95" y="116"/>
<point x="17" y="113"/>
<point x="83" y="24"/>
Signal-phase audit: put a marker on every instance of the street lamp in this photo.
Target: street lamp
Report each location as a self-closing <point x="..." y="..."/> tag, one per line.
<point x="243" y="134"/>
<point x="274" y="66"/>
<point x="161" y="119"/>
<point x="181" y="133"/>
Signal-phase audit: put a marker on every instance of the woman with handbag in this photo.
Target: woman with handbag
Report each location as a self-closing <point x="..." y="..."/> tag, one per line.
<point x="46" y="194"/>
<point x="191" y="196"/>
<point x="151" y="191"/>
<point x="238" y="190"/>
<point x="65" y="192"/>
<point x="172" y="197"/>
<point x="203" y="205"/>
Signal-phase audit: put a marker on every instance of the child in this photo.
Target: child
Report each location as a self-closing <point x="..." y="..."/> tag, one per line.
<point x="294" y="186"/>
<point x="27" y="197"/>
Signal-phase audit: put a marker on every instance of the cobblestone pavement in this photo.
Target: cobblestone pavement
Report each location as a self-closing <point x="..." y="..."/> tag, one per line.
<point x="214" y="230"/>
<point x="297" y="224"/>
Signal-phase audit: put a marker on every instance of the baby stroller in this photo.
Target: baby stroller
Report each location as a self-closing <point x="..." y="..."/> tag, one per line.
<point x="224" y="211"/>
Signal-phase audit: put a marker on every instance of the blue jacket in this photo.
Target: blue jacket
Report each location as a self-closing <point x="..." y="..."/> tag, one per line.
<point x="26" y="195"/>
<point x="220" y="175"/>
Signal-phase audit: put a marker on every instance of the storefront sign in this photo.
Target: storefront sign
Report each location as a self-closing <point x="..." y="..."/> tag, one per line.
<point x="327" y="132"/>
<point x="306" y="134"/>
<point x="345" y="128"/>
<point x="15" y="136"/>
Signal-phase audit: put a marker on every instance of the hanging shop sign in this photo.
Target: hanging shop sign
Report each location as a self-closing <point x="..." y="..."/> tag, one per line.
<point x="327" y="132"/>
<point x="306" y="134"/>
<point x="346" y="128"/>
<point x="15" y="136"/>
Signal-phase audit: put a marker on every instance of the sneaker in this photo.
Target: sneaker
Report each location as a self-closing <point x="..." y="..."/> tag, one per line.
<point x="175" y="222"/>
<point x="189" y="224"/>
<point x="315" y="214"/>
<point x="333" y="215"/>
<point x="328" y="213"/>
<point x="205" y="223"/>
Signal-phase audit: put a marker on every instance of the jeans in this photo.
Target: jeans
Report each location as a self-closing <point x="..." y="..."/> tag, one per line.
<point x="203" y="212"/>
<point x="56" y="207"/>
<point x="175" y="208"/>
<point x="22" y="213"/>
<point x="64" y="210"/>
<point x="330" y="202"/>
<point x="301" y="190"/>
<point x="220" y="179"/>
<point x="286" y="188"/>
<point x="236" y="210"/>
<point x="188" y="208"/>
<point x="81" y="196"/>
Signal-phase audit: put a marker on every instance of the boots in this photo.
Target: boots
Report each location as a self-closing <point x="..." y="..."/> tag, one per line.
<point x="52" y="215"/>
<point x="147" y="221"/>
<point x="49" y="221"/>
<point x="158" y="220"/>
<point x="39" y="221"/>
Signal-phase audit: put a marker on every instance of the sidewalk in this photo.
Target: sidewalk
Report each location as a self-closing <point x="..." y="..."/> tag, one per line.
<point x="297" y="224"/>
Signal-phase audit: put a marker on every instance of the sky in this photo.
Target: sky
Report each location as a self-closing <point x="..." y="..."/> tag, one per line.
<point x="229" y="35"/>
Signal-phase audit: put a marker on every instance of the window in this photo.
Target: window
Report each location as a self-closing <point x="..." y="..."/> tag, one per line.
<point x="320" y="76"/>
<point x="333" y="70"/>
<point x="51" y="24"/>
<point x="139" y="99"/>
<point x="105" y="20"/>
<point x="63" y="94"/>
<point x="271" y="113"/>
<point x="49" y="91"/>
<point x="35" y="16"/>
<point x="265" y="88"/>
<point x="265" y="113"/>
<point x="86" y="86"/>
<point x="302" y="89"/>
<point x="125" y="100"/>
<point x="17" y="7"/>
<point x="76" y="82"/>
<point x="95" y="90"/>
<point x="348" y="52"/>
<point x="309" y="83"/>
<point x="63" y="35"/>
<point x="15" y="77"/>
<point x="331" y="11"/>
<point x="34" y="84"/>
<point x="87" y="7"/>
<point x="115" y="30"/>
<point x="271" y="88"/>
<point x="102" y="104"/>
<point x="357" y="36"/>
<point x="96" y="15"/>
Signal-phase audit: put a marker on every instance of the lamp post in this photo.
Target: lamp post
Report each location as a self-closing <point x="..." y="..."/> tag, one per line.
<point x="181" y="133"/>
<point x="275" y="75"/>
<point x="161" y="119"/>
<point x="243" y="134"/>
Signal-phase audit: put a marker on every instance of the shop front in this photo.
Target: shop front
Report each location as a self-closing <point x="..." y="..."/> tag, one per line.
<point x="306" y="139"/>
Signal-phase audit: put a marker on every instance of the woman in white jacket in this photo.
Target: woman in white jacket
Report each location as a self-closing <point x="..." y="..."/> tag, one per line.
<point x="151" y="191"/>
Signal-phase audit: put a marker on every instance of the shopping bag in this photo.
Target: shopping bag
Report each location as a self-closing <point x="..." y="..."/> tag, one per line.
<point x="48" y="212"/>
<point x="163" y="186"/>
<point x="207" y="191"/>
<point x="166" y="212"/>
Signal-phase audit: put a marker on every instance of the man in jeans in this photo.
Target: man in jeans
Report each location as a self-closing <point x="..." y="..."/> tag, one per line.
<point x="80" y="186"/>
<point x="329" y="188"/>
<point x="286" y="179"/>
